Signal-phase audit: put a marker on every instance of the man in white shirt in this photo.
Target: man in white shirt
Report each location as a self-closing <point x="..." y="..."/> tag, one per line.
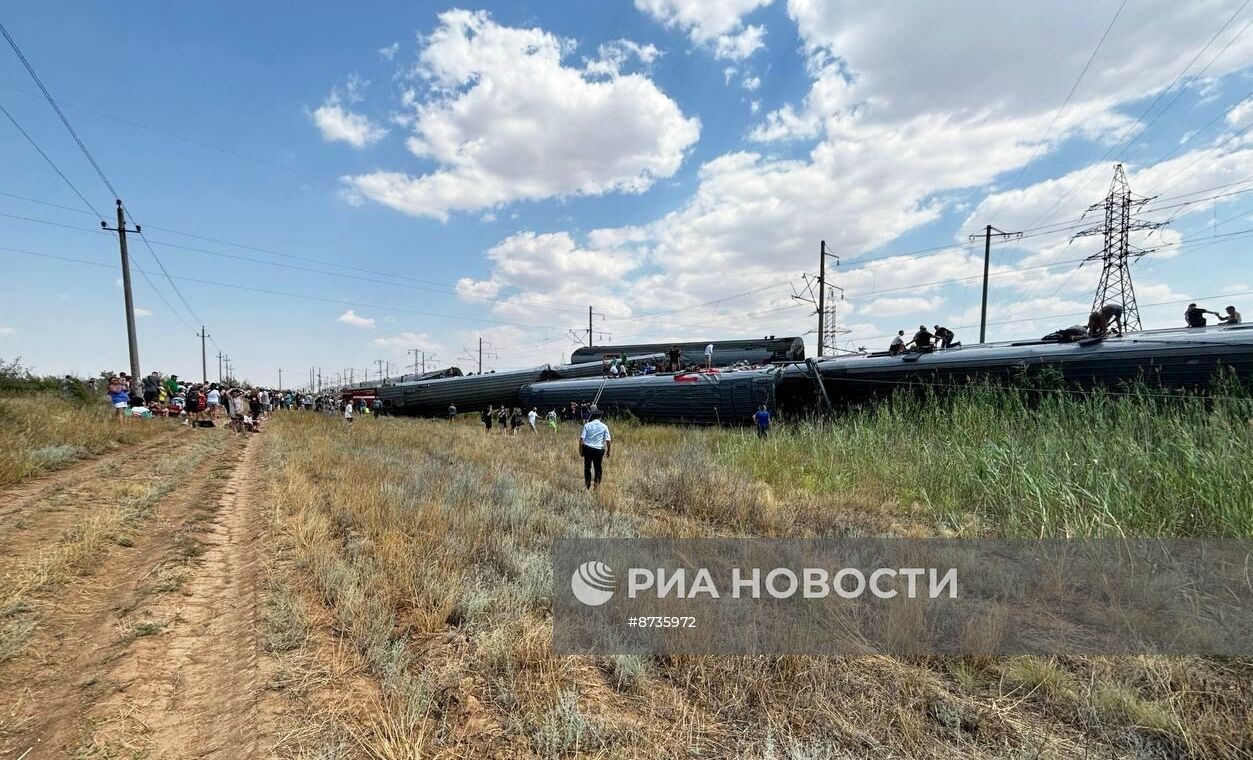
<point x="594" y="444"/>
<point x="531" y="418"/>
<point x="709" y="356"/>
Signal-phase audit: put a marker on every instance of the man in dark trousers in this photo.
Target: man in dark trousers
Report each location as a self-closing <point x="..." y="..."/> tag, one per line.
<point x="922" y="339"/>
<point x="762" y="418"/>
<point x="676" y="358"/>
<point x="1195" y="316"/>
<point x="594" y="442"/>
<point x="1112" y="314"/>
<point x="943" y="336"/>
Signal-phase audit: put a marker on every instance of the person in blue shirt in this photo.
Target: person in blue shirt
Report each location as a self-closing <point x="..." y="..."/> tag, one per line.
<point x="762" y="418"/>
<point x="594" y="442"/>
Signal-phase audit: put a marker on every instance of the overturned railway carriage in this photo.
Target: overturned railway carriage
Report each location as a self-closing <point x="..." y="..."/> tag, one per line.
<point x="470" y="393"/>
<point x="596" y="369"/>
<point x="726" y="352"/>
<point x="1182" y="358"/>
<point x="699" y="398"/>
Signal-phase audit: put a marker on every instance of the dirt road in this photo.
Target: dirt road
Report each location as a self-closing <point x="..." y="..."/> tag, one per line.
<point x="128" y="605"/>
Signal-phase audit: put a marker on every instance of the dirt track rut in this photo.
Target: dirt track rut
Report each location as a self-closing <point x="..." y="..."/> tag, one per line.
<point x="153" y="652"/>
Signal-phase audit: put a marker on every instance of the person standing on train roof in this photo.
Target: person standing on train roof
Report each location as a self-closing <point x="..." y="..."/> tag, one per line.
<point x="1194" y="315"/>
<point x="675" y="356"/>
<point x="709" y="356"/>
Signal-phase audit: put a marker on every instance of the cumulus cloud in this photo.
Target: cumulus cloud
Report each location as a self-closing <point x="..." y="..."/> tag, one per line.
<point x="505" y="119"/>
<point x="900" y="305"/>
<point x="903" y="119"/>
<point x="389" y="52"/>
<point x="353" y="319"/>
<point x="716" y="24"/>
<point x="338" y="123"/>
<point x="612" y="57"/>
<point x="407" y="340"/>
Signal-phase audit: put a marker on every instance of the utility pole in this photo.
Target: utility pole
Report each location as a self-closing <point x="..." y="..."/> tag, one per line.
<point x="131" y="339"/>
<point x="589" y="326"/>
<point x="418" y="352"/>
<point x="227" y="359"/>
<point x="280" y="378"/>
<point x="987" y="259"/>
<point x="319" y="379"/>
<point x="480" y="354"/>
<point x="220" y="366"/>
<point x="379" y="362"/>
<point x="204" y="365"/>
<point x="824" y="304"/>
<point x="1117" y="252"/>
<point x="822" y="297"/>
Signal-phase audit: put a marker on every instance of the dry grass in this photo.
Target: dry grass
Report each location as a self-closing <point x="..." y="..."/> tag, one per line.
<point x="408" y="601"/>
<point x="105" y="521"/>
<point x="45" y="431"/>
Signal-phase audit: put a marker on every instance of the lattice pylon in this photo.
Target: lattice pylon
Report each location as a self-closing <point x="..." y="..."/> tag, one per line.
<point x="1116" y="255"/>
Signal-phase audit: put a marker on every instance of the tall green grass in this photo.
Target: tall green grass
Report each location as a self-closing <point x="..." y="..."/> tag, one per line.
<point x="991" y="460"/>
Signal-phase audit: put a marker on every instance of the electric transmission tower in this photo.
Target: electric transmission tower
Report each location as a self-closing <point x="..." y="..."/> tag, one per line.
<point x="1116" y="255"/>
<point x="825" y="297"/>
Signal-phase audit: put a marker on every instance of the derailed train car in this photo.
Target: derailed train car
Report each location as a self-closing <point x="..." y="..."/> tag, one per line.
<point x="470" y="393"/>
<point x="726" y="352"/>
<point x="1177" y="358"/>
<point x="700" y="398"/>
<point x="597" y="369"/>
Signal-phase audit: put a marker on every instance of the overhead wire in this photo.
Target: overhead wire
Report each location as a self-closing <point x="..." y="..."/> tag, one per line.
<point x="1069" y="95"/>
<point x="1124" y="138"/>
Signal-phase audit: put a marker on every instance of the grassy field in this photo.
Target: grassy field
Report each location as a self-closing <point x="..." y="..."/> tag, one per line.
<point x="407" y="595"/>
<point x="985" y="461"/>
<point x="46" y="430"/>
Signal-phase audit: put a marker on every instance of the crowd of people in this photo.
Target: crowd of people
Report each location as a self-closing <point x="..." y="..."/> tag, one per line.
<point x="923" y="340"/>
<point x="203" y="404"/>
<point x="669" y="362"/>
<point x="1102" y="322"/>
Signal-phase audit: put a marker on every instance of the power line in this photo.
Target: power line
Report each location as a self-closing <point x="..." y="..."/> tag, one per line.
<point x="1040" y="144"/>
<point x="431" y="210"/>
<point x="60" y="114"/>
<point x="1123" y="139"/>
<point x="51" y="163"/>
<point x="301" y="296"/>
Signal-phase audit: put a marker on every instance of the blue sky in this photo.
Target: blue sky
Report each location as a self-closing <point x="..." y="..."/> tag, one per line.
<point x="417" y="176"/>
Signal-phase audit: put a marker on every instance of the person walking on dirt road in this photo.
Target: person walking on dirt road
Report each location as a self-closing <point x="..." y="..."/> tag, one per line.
<point x="594" y="442"/>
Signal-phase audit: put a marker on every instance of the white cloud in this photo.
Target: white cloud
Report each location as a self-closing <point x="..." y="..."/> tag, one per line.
<point x="717" y="24"/>
<point x="351" y="317"/>
<point x="408" y="340"/>
<point x="742" y="44"/>
<point x="903" y="116"/>
<point x="8" y="331"/>
<point x="612" y="57"/>
<point x="900" y="305"/>
<point x="336" y="122"/>
<point x="390" y="51"/>
<point x="506" y="120"/>
<point x="142" y="312"/>
<point x="751" y="83"/>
